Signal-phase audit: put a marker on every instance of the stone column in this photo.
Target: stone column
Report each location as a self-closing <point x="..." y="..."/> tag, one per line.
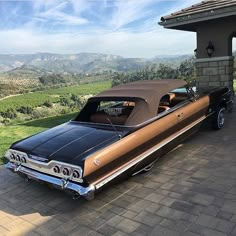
<point x="214" y="72"/>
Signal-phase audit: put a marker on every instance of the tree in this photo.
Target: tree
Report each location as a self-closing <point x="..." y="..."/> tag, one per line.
<point x="186" y="70"/>
<point x="52" y="79"/>
<point x="166" y="72"/>
<point x="153" y="72"/>
<point x="48" y="104"/>
<point x="64" y="101"/>
<point x="9" y="113"/>
<point x="78" y="102"/>
<point x="118" y="78"/>
<point x="25" y="110"/>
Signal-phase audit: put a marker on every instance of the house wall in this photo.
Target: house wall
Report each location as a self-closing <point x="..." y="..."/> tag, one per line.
<point x="216" y="70"/>
<point x="220" y="33"/>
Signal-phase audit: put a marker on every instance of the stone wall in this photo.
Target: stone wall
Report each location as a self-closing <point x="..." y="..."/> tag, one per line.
<point x="214" y="72"/>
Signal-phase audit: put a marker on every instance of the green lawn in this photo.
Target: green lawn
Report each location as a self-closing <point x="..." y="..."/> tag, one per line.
<point x="53" y="95"/>
<point x="10" y="134"/>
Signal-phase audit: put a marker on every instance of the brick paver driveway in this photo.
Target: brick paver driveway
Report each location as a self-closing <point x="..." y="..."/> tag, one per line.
<point x="191" y="191"/>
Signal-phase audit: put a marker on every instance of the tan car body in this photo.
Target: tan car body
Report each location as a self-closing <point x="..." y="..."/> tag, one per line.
<point x="130" y="150"/>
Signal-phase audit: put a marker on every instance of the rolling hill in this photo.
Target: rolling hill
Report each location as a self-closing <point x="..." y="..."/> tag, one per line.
<point x="78" y="63"/>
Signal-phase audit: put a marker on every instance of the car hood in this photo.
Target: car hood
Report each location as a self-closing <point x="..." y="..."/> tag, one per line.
<point x="70" y="142"/>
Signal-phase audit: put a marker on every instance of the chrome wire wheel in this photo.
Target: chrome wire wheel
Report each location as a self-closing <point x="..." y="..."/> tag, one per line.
<point x="221" y="118"/>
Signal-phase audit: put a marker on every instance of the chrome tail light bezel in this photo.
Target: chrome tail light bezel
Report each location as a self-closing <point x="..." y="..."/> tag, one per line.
<point x="16" y="157"/>
<point x="45" y="167"/>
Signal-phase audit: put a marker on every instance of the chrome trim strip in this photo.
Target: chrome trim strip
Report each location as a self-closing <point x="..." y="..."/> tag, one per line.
<point x="147" y="153"/>
<point x="64" y="184"/>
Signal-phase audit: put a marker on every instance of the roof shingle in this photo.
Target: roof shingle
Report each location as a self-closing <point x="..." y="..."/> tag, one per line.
<point x="209" y="8"/>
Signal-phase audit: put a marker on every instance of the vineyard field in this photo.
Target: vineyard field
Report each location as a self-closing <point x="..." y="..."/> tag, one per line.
<point x="52" y="95"/>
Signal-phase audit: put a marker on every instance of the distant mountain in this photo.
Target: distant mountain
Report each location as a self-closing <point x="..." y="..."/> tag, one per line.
<point x="78" y="63"/>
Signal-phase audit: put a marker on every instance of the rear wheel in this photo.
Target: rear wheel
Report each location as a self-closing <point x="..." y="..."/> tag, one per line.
<point x="219" y="118"/>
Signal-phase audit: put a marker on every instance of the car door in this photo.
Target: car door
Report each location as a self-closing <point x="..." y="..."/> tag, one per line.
<point x="191" y="112"/>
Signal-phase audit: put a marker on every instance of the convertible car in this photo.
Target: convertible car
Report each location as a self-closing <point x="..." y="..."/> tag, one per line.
<point x="121" y="131"/>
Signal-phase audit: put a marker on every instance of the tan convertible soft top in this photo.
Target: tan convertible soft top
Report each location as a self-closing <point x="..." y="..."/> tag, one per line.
<point x="147" y="94"/>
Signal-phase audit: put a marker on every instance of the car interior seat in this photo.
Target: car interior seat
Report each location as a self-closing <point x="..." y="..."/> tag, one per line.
<point x="165" y="102"/>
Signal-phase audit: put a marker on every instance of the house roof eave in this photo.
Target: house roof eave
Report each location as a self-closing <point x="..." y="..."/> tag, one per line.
<point x="179" y="22"/>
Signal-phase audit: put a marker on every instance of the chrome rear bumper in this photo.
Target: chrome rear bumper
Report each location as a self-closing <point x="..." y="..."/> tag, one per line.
<point x="63" y="184"/>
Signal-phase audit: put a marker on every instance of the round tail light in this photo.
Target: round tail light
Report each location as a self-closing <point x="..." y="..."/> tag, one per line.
<point x="13" y="157"/>
<point x="66" y="171"/>
<point x="22" y="160"/>
<point x="56" y="169"/>
<point x="17" y="158"/>
<point x="76" y="174"/>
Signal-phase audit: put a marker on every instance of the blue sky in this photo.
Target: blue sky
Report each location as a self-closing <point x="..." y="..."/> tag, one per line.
<point x="123" y="27"/>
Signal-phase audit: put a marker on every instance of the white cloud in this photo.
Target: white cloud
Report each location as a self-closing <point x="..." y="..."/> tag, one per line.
<point x="58" y="16"/>
<point x="80" y="6"/>
<point x="42" y="4"/>
<point x="126" y="44"/>
<point x="127" y="11"/>
<point x="147" y="40"/>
